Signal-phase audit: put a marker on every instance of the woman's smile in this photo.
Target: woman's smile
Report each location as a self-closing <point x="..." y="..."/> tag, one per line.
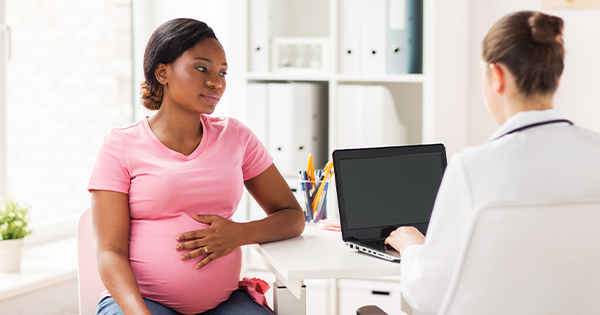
<point x="211" y="97"/>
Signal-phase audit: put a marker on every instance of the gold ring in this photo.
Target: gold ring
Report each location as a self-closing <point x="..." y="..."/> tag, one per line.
<point x="205" y="249"/>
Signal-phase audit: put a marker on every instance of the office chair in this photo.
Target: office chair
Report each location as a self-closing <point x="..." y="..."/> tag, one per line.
<point x="90" y="284"/>
<point x="529" y="257"/>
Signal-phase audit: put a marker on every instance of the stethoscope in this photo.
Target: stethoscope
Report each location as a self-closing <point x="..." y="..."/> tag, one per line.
<point x="556" y="121"/>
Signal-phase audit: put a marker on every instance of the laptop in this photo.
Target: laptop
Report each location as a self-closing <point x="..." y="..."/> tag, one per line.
<point x="380" y="189"/>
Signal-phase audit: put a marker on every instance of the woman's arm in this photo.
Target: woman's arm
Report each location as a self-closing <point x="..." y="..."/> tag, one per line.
<point x="110" y="216"/>
<point x="285" y="219"/>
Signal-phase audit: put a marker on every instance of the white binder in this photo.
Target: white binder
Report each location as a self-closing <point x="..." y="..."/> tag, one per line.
<point x="349" y="37"/>
<point x="258" y="37"/>
<point x="367" y="117"/>
<point x="405" y="36"/>
<point x="373" y="37"/>
<point x="257" y="110"/>
<point x="297" y="125"/>
<point x="397" y="38"/>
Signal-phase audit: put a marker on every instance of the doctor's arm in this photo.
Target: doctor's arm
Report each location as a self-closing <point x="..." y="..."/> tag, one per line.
<point x="110" y="216"/>
<point x="427" y="269"/>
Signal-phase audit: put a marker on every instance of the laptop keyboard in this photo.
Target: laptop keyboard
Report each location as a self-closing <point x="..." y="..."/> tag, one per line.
<point x="375" y="244"/>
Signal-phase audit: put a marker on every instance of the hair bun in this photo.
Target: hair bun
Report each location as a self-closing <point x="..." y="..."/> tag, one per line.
<point x="545" y="28"/>
<point x="151" y="98"/>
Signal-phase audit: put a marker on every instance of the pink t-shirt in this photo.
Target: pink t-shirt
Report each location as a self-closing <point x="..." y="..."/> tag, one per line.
<point x="165" y="188"/>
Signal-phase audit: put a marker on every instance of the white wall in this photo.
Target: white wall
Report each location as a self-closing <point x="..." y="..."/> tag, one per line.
<point x="446" y="56"/>
<point x="579" y="90"/>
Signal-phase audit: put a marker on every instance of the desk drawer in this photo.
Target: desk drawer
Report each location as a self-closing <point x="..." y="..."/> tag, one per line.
<point x="354" y="293"/>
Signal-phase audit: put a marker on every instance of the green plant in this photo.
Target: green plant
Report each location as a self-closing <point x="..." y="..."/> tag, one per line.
<point x="13" y="220"/>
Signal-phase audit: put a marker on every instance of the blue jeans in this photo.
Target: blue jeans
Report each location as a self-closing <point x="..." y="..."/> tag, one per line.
<point x="239" y="302"/>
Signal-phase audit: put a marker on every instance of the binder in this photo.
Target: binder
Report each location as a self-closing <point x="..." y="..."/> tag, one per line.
<point x="373" y="37"/>
<point x="257" y="110"/>
<point x="405" y="36"/>
<point x="258" y="36"/>
<point x="297" y="125"/>
<point x="367" y="117"/>
<point x="348" y="113"/>
<point x="349" y="37"/>
<point x="415" y="36"/>
<point x="386" y="129"/>
<point x="397" y="38"/>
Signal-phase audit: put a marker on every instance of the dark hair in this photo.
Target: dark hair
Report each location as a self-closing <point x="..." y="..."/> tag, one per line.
<point x="167" y="43"/>
<point x="531" y="46"/>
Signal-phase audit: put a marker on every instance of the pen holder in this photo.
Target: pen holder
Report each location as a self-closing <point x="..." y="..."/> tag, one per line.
<point x="313" y="199"/>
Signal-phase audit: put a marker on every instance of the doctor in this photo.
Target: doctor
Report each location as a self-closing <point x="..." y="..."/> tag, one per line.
<point x="536" y="153"/>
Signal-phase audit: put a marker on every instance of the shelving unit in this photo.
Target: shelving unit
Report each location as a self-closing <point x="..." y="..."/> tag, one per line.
<point x="432" y="106"/>
<point x="407" y="91"/>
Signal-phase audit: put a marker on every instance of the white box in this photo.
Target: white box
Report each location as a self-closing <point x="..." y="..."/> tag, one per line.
<point x="305" y="55"/>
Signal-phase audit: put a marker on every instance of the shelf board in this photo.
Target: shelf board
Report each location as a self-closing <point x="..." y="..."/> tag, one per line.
<point x="395" y="78"/>
<point x="270" y="76"/>
<point x="392" y="78"/>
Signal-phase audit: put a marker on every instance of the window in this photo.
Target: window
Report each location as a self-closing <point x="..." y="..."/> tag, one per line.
<point x="68" y="83"/>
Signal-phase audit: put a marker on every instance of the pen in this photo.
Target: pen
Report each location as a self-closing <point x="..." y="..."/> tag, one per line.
<point x="321" y="206"/>
<point x="307" y="196"/>
<point x="319" y="214"/>
<point x="311" y="171"/>
<point x="303" y="191"/>
<point x="315" y="201"/>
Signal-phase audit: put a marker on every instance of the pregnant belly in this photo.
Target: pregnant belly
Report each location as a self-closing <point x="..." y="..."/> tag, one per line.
<point x="166" y="279"/>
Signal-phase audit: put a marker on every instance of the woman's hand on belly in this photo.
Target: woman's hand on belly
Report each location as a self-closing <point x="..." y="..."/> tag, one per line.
<point x="221" y="238"/>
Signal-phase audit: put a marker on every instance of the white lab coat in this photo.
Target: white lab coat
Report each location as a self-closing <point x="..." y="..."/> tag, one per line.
<point x="549" y="161"/>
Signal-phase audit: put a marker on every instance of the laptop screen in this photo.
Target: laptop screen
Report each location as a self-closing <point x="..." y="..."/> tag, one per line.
<point x="388" y="189"/>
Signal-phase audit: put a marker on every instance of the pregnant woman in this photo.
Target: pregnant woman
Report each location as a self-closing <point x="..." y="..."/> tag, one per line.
<point x="164" y="189"/>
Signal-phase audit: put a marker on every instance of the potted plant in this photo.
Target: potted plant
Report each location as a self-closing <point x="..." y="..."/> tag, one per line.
<point x="13" y="229"/>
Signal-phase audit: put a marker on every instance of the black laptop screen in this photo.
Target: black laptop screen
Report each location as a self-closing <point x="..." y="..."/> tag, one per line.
<point x="390" y="190"/>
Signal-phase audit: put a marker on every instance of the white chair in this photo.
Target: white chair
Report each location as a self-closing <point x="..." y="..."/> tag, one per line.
<point x="529" y="257"/>
<point x="90" y="284"/>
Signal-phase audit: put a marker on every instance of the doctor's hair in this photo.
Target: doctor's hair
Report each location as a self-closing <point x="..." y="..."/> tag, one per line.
<point x="167" y="43"/>
<point x="531" y="46"/>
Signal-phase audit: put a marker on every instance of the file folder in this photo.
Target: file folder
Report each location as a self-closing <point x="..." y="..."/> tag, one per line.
<point x="373" y="37"/>
<point x="258" y="36"/>
<point x="349" y="27"/>
<point x="367" y="117"/>
<point x="257" y="110"/>
<point x="405" y="36"/>
<point x="297" y="125"/>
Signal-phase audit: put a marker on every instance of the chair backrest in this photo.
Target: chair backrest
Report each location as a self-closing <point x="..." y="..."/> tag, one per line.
<point x="530" y="257"/>
<point x="90" y="284"/>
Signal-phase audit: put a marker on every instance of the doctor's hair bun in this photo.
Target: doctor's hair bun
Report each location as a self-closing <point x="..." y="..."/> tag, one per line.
<point x="531" y="46"/>
<point x="545" y="28"/>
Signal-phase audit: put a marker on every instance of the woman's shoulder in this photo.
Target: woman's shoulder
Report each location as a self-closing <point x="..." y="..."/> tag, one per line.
<point x="224" y="124"/>
<point x="129" y="131"/>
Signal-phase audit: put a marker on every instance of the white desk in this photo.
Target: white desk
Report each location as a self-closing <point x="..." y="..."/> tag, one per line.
<point x="317" y="254"/>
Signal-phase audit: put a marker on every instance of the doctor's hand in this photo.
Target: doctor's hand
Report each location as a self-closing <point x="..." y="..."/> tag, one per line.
<point x="403" y="237"/>
<point x="221" y="238"/>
